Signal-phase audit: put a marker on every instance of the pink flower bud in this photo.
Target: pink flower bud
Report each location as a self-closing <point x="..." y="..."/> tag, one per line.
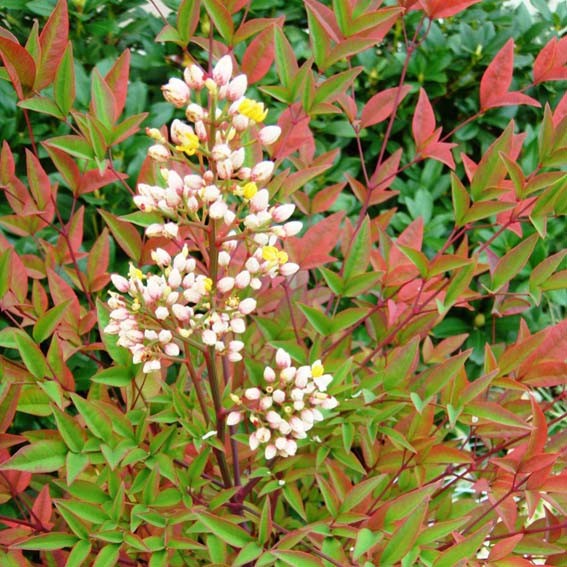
<point x="174" y="279"/>
<point x="234" y="356"/>
<point x="194" y="112"/>
<point x="237" y="158"/>
<point x="224" y="169"/>
<point x="282" y="212"/>
<point x="120" y="283"/>
<point x="177" y="92"/>
<point x="252" y="265"/>
<point x="269" y="135"/>
<point x="262" y="171"/>
<point x="236" y="88"/>
<point x="161" y="257"/>
<point x="273" y="418"/>
<point x="194" y="77"/>
<point x="224" y="258"/>
<point x="283" y="360"/>
<point x="253" y="441"/>
<point x="221" y="152"/>
<point x="151" y="366"/>
<point x="266" y="403"/>
<point x="201" y="131"/>
<point x="247" y="305"/>
<point x="270" y="452"/>
<point x="263" y="434"/>
<point x="240" y="122"/>
<point x="222" y="71"/>
<point x="235" y="346"/>
<point x="278" y="396"/>
<point x="224" y="285"/>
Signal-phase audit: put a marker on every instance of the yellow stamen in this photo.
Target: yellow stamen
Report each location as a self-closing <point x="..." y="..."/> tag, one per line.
<point x="135" y="273"/>
<point x="208" y="282"/>
<point x="249" y="190"/>
<point x="189" y="143"/>
<point x="253" y="110"/>
<point x="317" y="369"/>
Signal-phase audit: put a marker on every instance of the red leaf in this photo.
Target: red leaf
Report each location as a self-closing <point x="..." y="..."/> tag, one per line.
<point x="97" y="262"/>
<point x="42" y="507"/>
<point x="259" y="55"/>
<point x="326" y="18"/>
<point x="117" y="80"/>
<point x="296" y="133"/>
<point x="93" y="179"/>
<point x="560" y="111"/>
<point x="65" y="165"/>
<point x="38" y="182"/>
<point x="313" y="248"/>
<point x="496" y="81"/>
<point x="423" y="123"/>
<point x="19" y="64"/>
<point x="441" y="151"/>
<point x="445" y="8"/>
<point x="325" y="198"/>
<point x="381" y="105"/>
<point x="550" y="64"/>
<point x="53" y="42"/>
<point x="385" y="173"/>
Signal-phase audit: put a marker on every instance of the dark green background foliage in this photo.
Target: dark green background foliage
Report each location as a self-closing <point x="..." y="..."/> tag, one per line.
<point x="449" y="64"/>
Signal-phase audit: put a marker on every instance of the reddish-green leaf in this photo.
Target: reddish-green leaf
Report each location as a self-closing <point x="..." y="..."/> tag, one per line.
<point x="221" y="18"/>
<point x="188" y="19"/>
<point x="47" y="323"/>
<point x="73" y="145"/>
<point x="50" y="541"/>
<point x="296" y="558"/>
<point x="53" y="42"/>
<point x="331" y="88"/>
<point x="96" y="420"/>
<point x="42" y="104"/>
<point x="117" y="80"/>
<point x="358" y="257"/>
<point x="44" y="456"/>
<point x="19" y="64"/>
<point x="31" y="354"/>
<point x="467" y="547"/>
<point x="259" y="56"/>
<point x="125" y="234"/>
<point x="103" y="102"/>
<point x="286" y="63"/>
<point x="404" y="537"/>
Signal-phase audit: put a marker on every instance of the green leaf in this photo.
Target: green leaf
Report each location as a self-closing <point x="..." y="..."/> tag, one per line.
<point x="334" y="281"/>
<point x="348" y="318"/>
<point x="485" y="209"/>
<point x="73" y="145"/>
<point x="512" y="262"/>
<point x="362" y="283"/>
<point x="79" y="554"/>
<point x="459" y="283"/>
<point x="69" y="429"/>
<point x="439" y="530"/>
<point x="143" y="219"/>
<point x="75" y="464"/>
<point x="31" y="354"/>
<point x="89" y="512"/>
<point x="361" y="490"/>
<point x="297" y="558"/>
<point x="438" y="376"/>
<point x="247" y="554"/>
<point x="97" y="421"/>
<point x="43" y="456"/>
<point x="358" y="257"/>
<point x="64" y="86"/>
<point x="42" y="104"/>
<point x="108" y="555"/>
<point x="73" y="522"/>
<point x="417" y="258"/>
<point x="461" y="200"/>
<point x="117" y="376"/>
<point x="402" y="362"/>
<point x="492" y="412"/>
<point x="188" y="19"/>
<point x="5" y="259"/>
<point x="320" y="42"/>
<point x="227" y="531"/>
<point x="47" y="323"/>
<point x="285" y="58"/>
<point x="50" y="541"/>
<point x="468" y="547"/>
<point x="102" y="100"/>
<point x="365" y="540"/>
<point x="319" y="321"/>
<point x="221" y="18"/>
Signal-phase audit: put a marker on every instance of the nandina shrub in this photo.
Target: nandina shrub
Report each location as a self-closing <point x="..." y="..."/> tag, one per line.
<point x="253" y="393"/>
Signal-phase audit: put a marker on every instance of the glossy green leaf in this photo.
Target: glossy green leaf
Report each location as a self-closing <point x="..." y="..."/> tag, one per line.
<point x="468" y="547"/>
<point x="296" y="558"/>
<point x="42" y="104"/>
<point x="108" y="555"/>
<point x="221" y="18"/>
<point x="31" y="354"/>
<point x="118" y="376"/>
<point x="64" y="86"/>
<point x="318" y="320"/>
<point x="403" y="538"/>
<point x="71" y="432"/>
<point x="513" y="261"/>
<point x="95" y="419"/>
<point x="227" y="531"/>
<point x="50" y="541"/>
<point x="358" y="257"/>
<point x="47" y="323"/>
<point x="79" y="554"/>
<point x="40" y="457"/>
<point x="125" y="234"/>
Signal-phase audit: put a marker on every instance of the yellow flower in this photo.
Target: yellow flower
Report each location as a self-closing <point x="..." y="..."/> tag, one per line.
<point x="274" y="256"/>
<point x="253" y="110"/>
<point x="135" y="273"/>
<point x="249" y="190"/>
<point x="208" y="284"/>
<point x="317" y="369"/>
<point x="189" y="143"/>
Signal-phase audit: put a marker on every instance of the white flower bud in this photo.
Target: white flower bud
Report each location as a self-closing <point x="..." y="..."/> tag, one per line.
<point x="269" y="135"/>
<point x="260" y="201"/>
<point x="222" y="71"/>
<point x="330" y="403"/>
<point x="237" y="87"/>
<point x="224" y="285"/>
<point x="247" y="305"/>
<point x="240" y="122"/>
<point x="161" y="313"/>
<point x="229" y="217"/>
<point x="266" y="403"/>
<point x="238" y="326"/>
<point x="221" y="152"/>
<point x="242" y="279"/>
<point x="177" y="92"/>
<point x="252" y="394"/>
<point x="233" y="418"/>
<point x="179" y="130"/>
<point x="278" y="396"/>
<point x="194" y="77"/>
<point x="292" y="228"/>
<point x="273" y="418"/>
<point x="270" y="452"/>
<point x="161" y="257"/>
<point x="224" y="258"/>
<point x="159" y="153"/>
<point x="224" y="169"/>
<point x="288" y="269"/>
<point x="263" y="434"/>
<point x="209" y="337"/>
<point x="170" y="230"/>
<point x="237" y="158"/>
<point x="181" y="312"/>
<point x="283" y="212"/>
<point x="151" y="366"/>
<point x="322" y="382"/>
<point x="171" y="349"/>
<point x="269" y="374"/>
<point x="120" y="283"/>
<point x="287" y="374"/>
<point x="262" y="171"/>
<point x="252" y="265"/>
<point x="283" y="360"/>
<point x="194" y="112"/>
<point x="253" y="441"/>
<point x="218" y="209"/>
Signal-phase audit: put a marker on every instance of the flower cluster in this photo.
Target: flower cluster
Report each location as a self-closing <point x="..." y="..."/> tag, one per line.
<point x="286" y="407"/>
<point x="212" y="181"/>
